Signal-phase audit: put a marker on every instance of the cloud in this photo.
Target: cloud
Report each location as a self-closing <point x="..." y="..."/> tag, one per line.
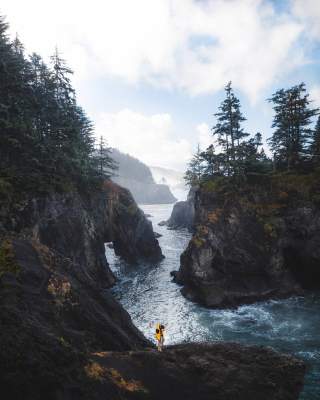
<point x="308" y="12"/>
<point x="315" y="95"/>
<point x="205" y="137"/>
<point x="192" y="45"/>
<point x="148" y="138"/>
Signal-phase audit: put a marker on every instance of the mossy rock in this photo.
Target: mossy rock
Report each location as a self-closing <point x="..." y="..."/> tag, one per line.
<point x="7" y="259"/>
<point x="198" y="242"/>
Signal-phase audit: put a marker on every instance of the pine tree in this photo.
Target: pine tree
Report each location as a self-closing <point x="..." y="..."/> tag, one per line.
<point x="16" y="139"/>
<point x="64" y="92"/>
<point x="195" y="169"/>
<point x="293" y="116"/>
<point x="46" y="139"/>
<point x="315" y="145"/>
<point x="105" y="164"/>
<point x="254" y="159"/>
<point x="228" y="130"/>
<point x="212" y="162"/>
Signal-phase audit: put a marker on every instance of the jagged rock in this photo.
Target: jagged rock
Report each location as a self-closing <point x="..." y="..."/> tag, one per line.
<point x="258" y="242"/>
<point x="162" y="223"/>
<point x="182" y="215"/>
<point x="54" y="307"/>
<point x="221" y="371"/>
<point x="77" y="226"/>
<point x="64" y="337"/>
<point x="50" y="318"/>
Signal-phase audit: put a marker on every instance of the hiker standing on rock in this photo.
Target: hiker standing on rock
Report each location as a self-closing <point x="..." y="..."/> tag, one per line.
<point x="159" y="335"/>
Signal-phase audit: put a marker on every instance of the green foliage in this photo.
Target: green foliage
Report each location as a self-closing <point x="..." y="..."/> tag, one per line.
<point x="290" y="141"/>
<point x="315" y="145"/>
<point x="7" y="259"/>
<point x="238" y="157"/>
<point x="195" y="169"/>
<point x="105" y="165"/>
<point x="198" y="241"/>
<point x="229" y="132"/>
<point x="46" y="141"/>
<point x="216" y="184"/>
<point x="296" y="146"/>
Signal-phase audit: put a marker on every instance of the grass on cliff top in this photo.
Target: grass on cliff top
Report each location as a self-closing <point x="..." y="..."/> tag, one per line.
<point x="281" y="186"/>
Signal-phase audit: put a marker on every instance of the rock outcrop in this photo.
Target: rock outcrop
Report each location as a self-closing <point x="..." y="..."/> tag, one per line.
<point x="64" y="337"/>
<point x="256" y="242"/>
<point x="223" y="371"/>
<point x="182" y="215"/>
<point x="77" y="226"/>
<point x="54" y="306"/>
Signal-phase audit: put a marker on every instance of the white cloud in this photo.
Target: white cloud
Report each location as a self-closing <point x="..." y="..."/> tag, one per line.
<point x="308" y="11"/>
<point x="193" y="45"/>
<point x="149" y="138"/>
<point x="205" y="137"/>
<point x="315" y="95"/>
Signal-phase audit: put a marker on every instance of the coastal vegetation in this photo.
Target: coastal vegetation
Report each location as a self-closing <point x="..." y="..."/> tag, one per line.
<point x="240" y="157"/>
<point x="46" y="142"/>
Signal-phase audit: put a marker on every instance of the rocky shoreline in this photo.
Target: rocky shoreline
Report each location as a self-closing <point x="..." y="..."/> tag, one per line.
<point x="63" y="336"/>
<point x="256" y="243"/>
<point x="183" y="213"/>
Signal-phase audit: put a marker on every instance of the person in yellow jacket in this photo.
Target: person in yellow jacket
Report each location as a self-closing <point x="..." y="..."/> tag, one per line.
<point x="159" y="335"/>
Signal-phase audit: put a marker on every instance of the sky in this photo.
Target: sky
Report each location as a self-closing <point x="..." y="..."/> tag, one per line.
<point x="151" y="73"/>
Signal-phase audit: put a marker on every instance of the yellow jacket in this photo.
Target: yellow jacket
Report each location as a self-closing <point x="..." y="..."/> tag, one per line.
<point x="159" y="332"/>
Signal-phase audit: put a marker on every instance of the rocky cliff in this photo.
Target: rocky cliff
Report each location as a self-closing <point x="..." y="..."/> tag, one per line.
<point x="182" y="215"/>
<point x="54" y="306"/>
<point x="64" y="337"/>
<point x="257" y="241"/>
<point x="221" y="371"/>
<point x="78" y="226"/>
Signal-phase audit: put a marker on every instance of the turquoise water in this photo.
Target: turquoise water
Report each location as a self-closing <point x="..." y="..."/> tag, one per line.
<point x="147" y="293"/>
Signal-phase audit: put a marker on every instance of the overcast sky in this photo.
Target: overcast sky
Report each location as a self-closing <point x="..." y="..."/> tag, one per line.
<point x="150" y="73"/>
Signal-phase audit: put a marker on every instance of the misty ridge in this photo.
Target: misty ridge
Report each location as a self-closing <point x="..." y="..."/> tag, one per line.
<point x="137" y="177"/>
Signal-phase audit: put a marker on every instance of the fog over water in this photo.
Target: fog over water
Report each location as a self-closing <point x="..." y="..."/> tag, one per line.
<point x="147" y="293"/>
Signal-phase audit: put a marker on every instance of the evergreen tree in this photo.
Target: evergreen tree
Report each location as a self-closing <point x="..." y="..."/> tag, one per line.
<point x="315" y="145"/>
<point x="254" y="159"/>
<point x="212" y="162"/>
<point x="292" y="135"/>
<point x="106" y="165"/>
<point x="46" y="139"/>
<point x="228" y="130"/>
<point x="195" y="169"/>
<point x="16" y="139"/>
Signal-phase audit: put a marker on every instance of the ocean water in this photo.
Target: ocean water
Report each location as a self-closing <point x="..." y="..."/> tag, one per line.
<point x="147" y="292"/>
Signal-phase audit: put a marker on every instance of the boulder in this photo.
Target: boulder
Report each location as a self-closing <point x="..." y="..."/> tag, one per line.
<point x="182" y="215"/>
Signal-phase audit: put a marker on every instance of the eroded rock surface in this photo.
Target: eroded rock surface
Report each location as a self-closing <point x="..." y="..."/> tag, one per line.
<point x="220" y="371"/>
<point x="182" y="215"/>
<point x="77" y="226"/>
<point x="64" y="337"/>
<point x="259" y="242"/>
